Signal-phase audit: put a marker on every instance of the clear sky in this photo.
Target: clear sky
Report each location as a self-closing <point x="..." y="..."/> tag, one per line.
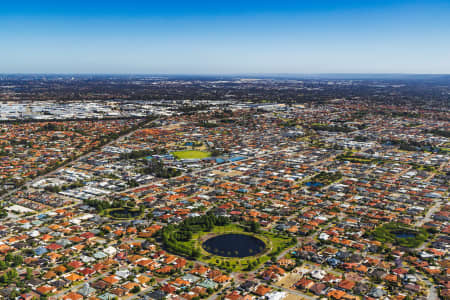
<point x="223" y="37"/>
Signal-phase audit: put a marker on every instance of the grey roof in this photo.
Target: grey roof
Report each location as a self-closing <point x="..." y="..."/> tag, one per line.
<point x="86" y="290"/>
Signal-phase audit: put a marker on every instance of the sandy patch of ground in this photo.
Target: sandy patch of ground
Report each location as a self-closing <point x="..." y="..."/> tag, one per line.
<point x="288" y="280"/>
<point x="290" y="296"/>
<point x="229" y="173"/>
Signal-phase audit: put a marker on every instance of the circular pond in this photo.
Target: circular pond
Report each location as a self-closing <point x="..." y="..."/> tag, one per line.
<point x="124" y="213"/>
<point x="234" y="245"/>
<point x="404" y="234"/>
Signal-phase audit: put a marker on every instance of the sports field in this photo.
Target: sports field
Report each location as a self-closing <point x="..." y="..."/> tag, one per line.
<point x="191" y="154"/>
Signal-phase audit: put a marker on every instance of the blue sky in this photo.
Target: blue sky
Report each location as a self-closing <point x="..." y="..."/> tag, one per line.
<point x="217" y="37"/>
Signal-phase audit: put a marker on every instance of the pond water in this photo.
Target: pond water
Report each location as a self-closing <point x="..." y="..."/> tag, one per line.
<point x="234" y="245"/>
<point x="314" y="184"/>
<point x="124" y="213"/>
<point x="404" y="234"/>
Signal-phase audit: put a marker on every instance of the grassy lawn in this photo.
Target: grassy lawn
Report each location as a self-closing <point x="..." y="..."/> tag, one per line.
<point x="272" y="241"/>
<point x="191" y="154"/>
<point x="324" y="179"/>
<point x="389" y="233"/>
<point x="124" y="213"/>
<point x="187" y="239"/>
<point x="356" y="159"/>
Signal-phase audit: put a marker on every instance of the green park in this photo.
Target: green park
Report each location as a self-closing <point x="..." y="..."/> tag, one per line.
<point x="190" y="237"/>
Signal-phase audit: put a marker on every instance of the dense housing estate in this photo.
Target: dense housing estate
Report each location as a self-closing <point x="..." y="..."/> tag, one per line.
<point x="349" y="197"/>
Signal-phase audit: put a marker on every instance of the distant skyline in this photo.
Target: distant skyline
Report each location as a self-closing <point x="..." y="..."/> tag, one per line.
<point x="229" y="37"/>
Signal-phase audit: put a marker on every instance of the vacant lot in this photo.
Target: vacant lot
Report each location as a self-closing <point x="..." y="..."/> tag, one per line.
<point x="288" y="280"/>
<point x="290" y="296"/>
<point x="230" y="173"/>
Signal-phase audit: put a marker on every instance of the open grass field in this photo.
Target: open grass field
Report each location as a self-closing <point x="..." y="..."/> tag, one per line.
<point x="191" y="154"/>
